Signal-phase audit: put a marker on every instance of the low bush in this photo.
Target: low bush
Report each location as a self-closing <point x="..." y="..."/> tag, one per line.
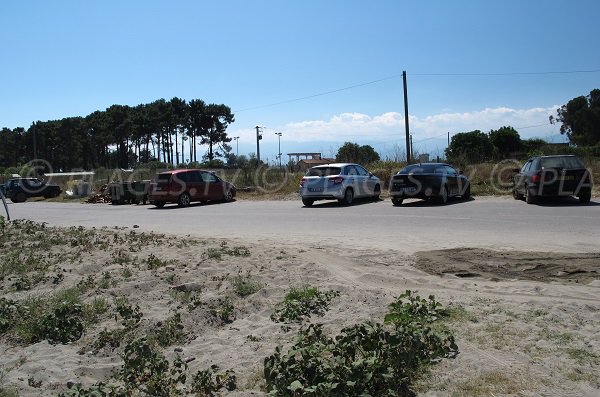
<point x="301" y="303"/>
<point x="369" y="359"/>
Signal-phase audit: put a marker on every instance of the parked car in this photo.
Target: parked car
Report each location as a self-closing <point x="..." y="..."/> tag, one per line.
<point x="426" y="181"/>
<point x="20" y="189"/>
<point x="552" y="176"/>
<point x="3" y="190"/>
<point x="185" y="186"/>
<point x="339" y="181"/>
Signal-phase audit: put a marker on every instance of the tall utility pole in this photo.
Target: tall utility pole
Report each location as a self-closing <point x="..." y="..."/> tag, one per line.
<point x="408" y="148"/>
<point x="237" y="145"/>
<point x="279" y="154"/>
<point x="258" y="138"/>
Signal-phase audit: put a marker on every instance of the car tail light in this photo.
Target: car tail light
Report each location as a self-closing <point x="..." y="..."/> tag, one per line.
<point x="337" y="180"/>
<point x="302" y="182"/>
<point x="536" y="178"/>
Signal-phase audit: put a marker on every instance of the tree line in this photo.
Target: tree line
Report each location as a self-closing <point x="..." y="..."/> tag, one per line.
<point x="580" y="122"/>
<point x="122" y="136"/>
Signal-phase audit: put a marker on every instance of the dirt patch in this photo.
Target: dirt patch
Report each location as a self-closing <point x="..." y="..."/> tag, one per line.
<point x="505" y="265"/>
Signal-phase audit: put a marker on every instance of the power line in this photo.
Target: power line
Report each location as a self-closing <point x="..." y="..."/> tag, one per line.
<point x="320" y="94"/>
<point x="508" y="73"/>
<point x="394" y="76"/>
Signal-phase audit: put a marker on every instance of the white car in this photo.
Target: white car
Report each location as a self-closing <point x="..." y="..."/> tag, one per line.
<point x="339" y="181"/>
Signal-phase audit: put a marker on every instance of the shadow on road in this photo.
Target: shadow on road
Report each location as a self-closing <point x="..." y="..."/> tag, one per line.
<point x="335" y="204"/>
<point x="562" y="202"/>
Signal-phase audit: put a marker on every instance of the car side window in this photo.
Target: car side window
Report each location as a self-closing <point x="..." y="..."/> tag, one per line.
<point x="195" y="176"/>
<point x="208" y="177"/>
<point x="450" y="170"/>
<point x="351" y="170"/>
<point x="34" y="182"/>
<point x="361" y="171"/>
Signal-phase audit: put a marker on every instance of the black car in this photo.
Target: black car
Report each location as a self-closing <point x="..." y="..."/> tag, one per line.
<point x="20" y="189"/>
<point x="429" y="181"/>
<point x="552" y="176"/>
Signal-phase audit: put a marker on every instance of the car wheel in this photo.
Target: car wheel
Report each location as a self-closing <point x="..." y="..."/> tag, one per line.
<point x="376" y="192"/>
<point x="348" y="197"/>
<point x="159" y="204"/>
<point x="228" y="196"/>
<point x="397" y="202"/>
<point x="529" y="198"/>
<point x="467" y="194"/>
<point x="585" y="197"/>
<point x="517" y="195"/>
<point x="19" y="198"/>
<point x="307" y="202"/>
<point x="443" y="197"/>
<point x="184" y="199"/>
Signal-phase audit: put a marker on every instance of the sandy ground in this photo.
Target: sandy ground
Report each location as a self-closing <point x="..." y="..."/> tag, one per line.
<point x="527" y="326"/>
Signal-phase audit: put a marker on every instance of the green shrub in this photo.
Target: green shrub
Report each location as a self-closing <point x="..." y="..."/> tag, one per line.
<point x="244" y="285"/>
<point x="301" y="303"/>
<point x="368" y="359"/>
<point x="170" y="332"/>
<point x="146" y="372"/>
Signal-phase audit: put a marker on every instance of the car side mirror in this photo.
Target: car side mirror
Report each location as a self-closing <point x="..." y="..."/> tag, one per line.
<point x="460" y="172"/>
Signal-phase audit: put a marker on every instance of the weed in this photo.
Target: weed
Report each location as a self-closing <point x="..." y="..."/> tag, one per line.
<point x="106" y="338"/>
<point x="213" y="253"/>
<point x="170" y="332"/>
<point x="189" y="298"/>
<point x="126" y="273"/>
<point x="171" y="278"/>
<point x="153" y="263"/>
<point x="225" y="311"/>
<point x="94" y="310"/>
<point x="106" y="281"/>
<point x="131" y="316"/>
<point x="584" y="356"/>
<point x="244" y="285"/>
<point x="300" y="303"/>
<point x="365" y="359"/>
<point x="86" y="284"/>
<point x="146" y="371"/>
<point x="210" y="381"/>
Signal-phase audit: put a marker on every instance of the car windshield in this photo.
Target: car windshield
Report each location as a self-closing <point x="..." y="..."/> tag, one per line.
<point x="163" y="177"/>
<point x="421" y="169"/>
<point x="324" y="171"/>
<point x="561" y="162"/>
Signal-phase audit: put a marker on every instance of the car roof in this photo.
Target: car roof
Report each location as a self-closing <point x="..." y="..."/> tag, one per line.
<point x="556" y="155"/>
<point x="418" y="164"/>
<point x="181" y="170"/>
<point x="334" y="165"/>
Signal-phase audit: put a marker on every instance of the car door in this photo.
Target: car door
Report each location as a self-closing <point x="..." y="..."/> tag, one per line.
<point x="353" y="180"/>
<point x="521" y="178"/>
<point x="367" y="182"/>
<point x="452" y="181"/>
<point x="213" y="187"/>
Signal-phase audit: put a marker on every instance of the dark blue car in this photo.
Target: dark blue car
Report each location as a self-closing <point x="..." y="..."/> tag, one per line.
<point x="437" y="181"/>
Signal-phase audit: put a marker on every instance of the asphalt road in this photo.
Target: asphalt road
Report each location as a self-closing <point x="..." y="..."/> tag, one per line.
<point x="497" y="223"/>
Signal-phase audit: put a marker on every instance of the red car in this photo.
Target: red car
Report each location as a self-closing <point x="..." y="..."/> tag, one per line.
<point x="185" y="186"/>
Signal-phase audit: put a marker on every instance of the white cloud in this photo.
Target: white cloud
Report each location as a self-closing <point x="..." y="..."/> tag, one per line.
<point x="386" y="131"/>
<point x="358" y="126"/>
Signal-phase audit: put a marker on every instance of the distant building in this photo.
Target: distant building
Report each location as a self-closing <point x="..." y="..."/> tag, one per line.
<point x="304" y="161"/>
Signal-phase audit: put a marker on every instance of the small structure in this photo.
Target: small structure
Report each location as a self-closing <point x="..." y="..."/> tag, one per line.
<point x="304" y="161"/>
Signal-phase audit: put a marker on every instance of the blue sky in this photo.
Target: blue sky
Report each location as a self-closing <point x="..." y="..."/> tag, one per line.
<point x="69" y="58"/>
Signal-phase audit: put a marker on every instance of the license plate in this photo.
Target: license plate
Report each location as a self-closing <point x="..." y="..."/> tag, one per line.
<point x="158" y="188"/>
<point x="315" y="189"/>
<point x="567" y="178"/>
<point x="409" y="190"/>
